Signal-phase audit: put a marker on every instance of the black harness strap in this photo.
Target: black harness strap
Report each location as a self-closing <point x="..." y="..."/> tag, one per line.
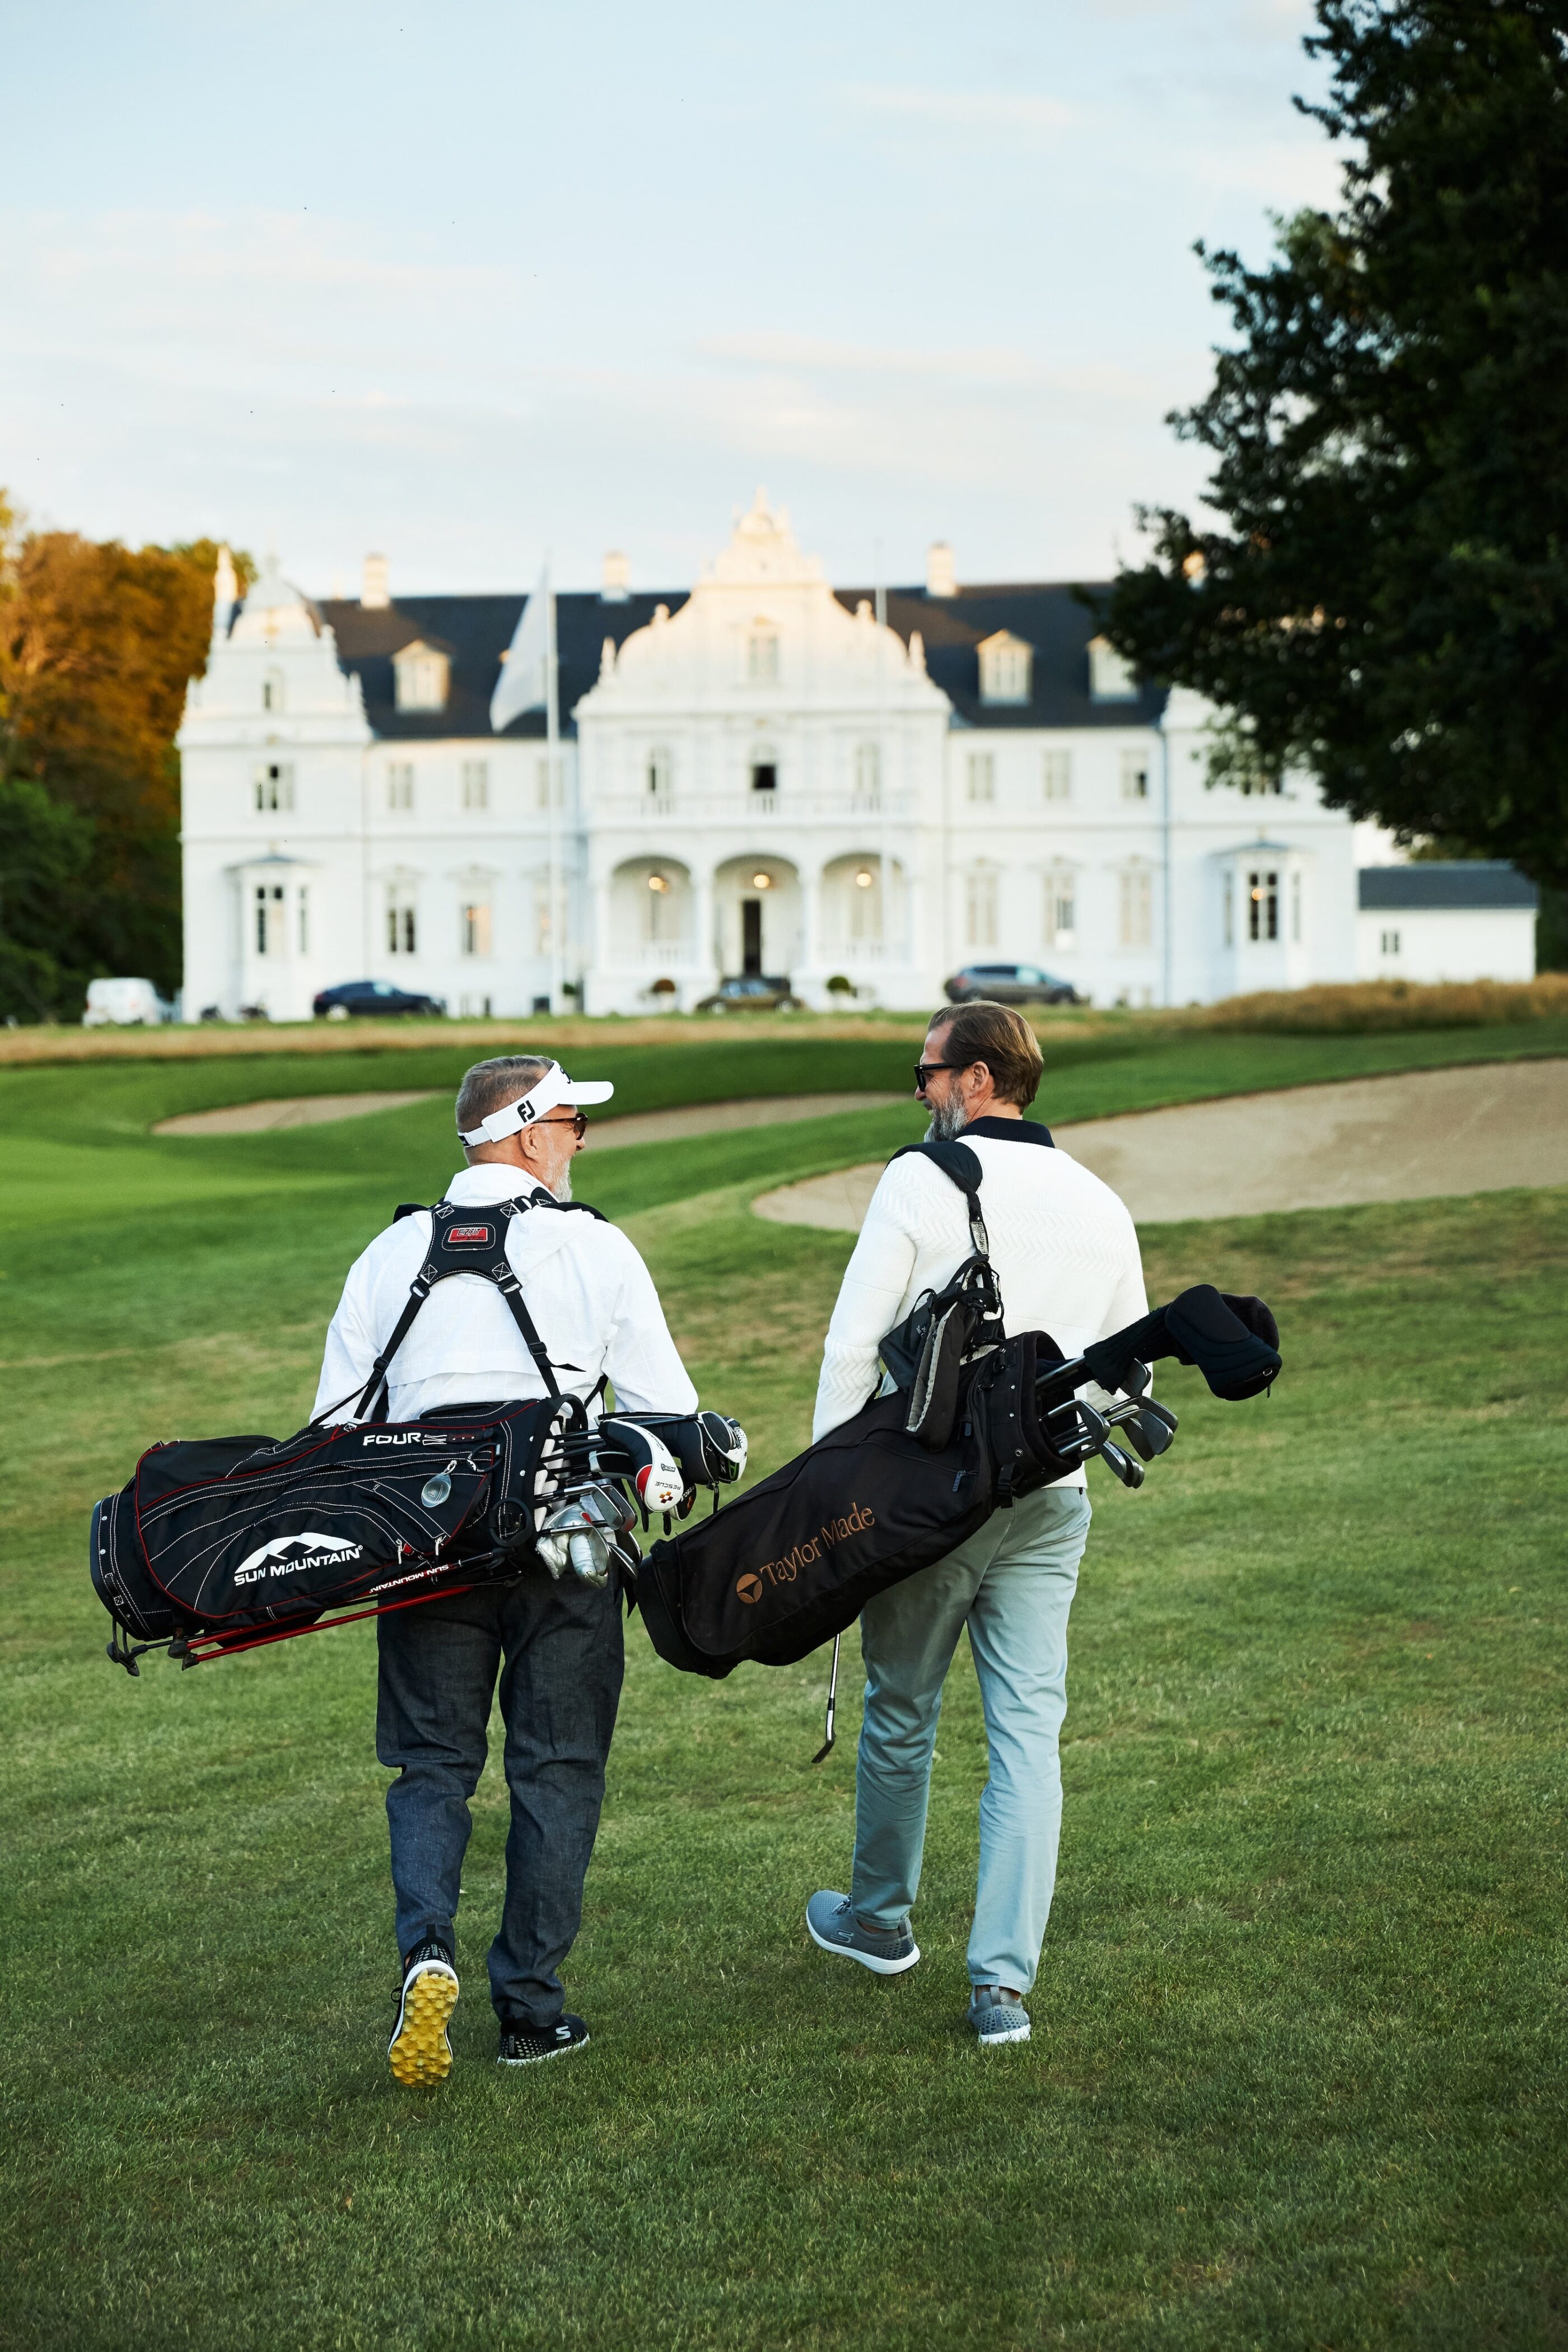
<point x="464" y="1241"/>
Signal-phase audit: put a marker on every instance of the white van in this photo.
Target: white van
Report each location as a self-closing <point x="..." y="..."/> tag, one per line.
<point x="124" y="1003"/>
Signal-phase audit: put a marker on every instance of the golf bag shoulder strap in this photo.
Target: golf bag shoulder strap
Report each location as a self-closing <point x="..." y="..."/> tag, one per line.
<point x="463" y="1240"/>
<point x="960" y="1165"/>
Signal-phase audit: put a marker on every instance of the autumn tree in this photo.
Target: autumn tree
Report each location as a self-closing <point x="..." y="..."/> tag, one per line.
<point x="1383" y="595"/>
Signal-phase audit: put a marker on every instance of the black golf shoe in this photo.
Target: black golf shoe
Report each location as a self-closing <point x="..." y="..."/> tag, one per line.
<point x="526" y="2046"/>
<point x="419" y="2050"/>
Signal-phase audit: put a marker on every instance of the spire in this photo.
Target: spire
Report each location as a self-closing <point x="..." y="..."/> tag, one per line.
<point x="225" y="592"/>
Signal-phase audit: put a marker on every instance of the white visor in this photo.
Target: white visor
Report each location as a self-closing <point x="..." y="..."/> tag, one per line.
<point x="548" y="1092"/>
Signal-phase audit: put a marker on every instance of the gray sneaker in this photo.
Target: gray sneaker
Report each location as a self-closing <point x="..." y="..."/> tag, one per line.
<point x="997" y="2017"/>
<point x="831" y="1923"/>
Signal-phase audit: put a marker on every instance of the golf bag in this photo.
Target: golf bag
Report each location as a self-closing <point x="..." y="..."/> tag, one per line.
<point x="221" y="1544"/>
<point x="974" y="1421"/>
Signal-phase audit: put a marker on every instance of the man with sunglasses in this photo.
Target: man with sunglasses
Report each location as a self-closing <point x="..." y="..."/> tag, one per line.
<point x="1066" y="1260"/>
<point x="556" y="1647"/>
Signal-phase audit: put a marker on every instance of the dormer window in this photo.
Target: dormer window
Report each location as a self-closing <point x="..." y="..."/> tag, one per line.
<point x="1006" y="668"/>
<point x="1111" y="679"/>
<point x="763" y="655"/>
<point x="422" y="673"/>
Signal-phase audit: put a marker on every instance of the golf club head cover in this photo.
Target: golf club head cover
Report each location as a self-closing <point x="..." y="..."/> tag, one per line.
<point x="1235" y="1360"/>
<point x="656" y="1477"/>
<point x="1257" y="1317"/>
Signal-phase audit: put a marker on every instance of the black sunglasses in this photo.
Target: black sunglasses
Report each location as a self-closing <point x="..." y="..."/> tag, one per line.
<point x="924" y="1069"/>
<point x="578" y="1123"/>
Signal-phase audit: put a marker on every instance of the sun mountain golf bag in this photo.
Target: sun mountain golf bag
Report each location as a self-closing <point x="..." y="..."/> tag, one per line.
<point x="973" y="1421"/>
<point x="220" y="1544"/>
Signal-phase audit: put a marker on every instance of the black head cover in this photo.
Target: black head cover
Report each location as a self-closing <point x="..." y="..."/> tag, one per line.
<point x="1231" y="1350"/>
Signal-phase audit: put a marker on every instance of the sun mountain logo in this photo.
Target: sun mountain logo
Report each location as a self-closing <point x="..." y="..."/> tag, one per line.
<point x="753" y="1582"/>
<point x="287" y="1554"/>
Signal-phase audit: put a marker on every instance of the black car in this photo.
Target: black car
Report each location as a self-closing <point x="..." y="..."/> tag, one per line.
<point x="373" y="998"/>
<point x="1010" y="983"/>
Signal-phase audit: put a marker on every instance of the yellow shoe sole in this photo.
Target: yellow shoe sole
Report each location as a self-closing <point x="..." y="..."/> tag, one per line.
<point x="419" y="2050"/>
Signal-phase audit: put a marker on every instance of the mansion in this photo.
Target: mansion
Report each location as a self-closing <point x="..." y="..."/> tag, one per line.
<point x="755" y="776"/>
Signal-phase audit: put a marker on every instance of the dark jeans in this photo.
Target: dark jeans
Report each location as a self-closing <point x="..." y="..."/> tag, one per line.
<point x="559" y="1685"/>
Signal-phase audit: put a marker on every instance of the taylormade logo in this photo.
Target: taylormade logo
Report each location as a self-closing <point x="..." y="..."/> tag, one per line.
<point x="752" y="1582"/>
<point x="286" y="1554"/>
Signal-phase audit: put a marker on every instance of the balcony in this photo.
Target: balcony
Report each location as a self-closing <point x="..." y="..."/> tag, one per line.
<point x="741" y="806"/>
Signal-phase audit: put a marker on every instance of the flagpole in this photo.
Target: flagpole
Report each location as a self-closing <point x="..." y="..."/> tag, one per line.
<point x="552" y="777"/>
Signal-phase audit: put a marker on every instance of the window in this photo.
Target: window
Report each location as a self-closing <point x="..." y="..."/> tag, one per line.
<point x="400" y="784"/>
<point x="402" y="925"/>
<point x="274" y="786"/>
<point x="982" y="776"/>
<point x="868" y="775"/>
<point x="474" y="927"/>
<point x="979" y="910"/>
<point x="269" y="919"/>
<point x="1135" y="907"/>
<point x="272" y="690"/>
<point x="304" y="921"/>
<point x="660" y="778"/>
<point x="1056" y="775"/>
<point x="420" y="674"/>
<point x="1134" y="775"/>
<point x="1230" y="911"/>
<point x="763" y="655"/>
<point x="764" y="776"/>
<point x="1006" y="667"/>
<point x="1263" y="904"/>
<point x="1296" y="909"/>
<point x="1061" y="910"/>
<point x="543" y="924"/>
<point x="1111" y="679"/>
<point x="1388" y="943"/>
<point x="476" y="784"/>
<point x="542" y="785"/>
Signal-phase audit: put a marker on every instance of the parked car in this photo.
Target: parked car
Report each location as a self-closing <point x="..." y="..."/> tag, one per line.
<point x="373" y="998"/>
<point x="125" y="1004"/>
<point x="1010" y="983"/>
<point x="753" y="994"/>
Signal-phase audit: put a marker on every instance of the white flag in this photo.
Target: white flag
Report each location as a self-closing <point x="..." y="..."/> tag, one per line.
<point x="523" y="683"/>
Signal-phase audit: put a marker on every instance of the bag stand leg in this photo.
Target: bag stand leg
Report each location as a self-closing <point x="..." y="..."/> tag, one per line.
<point x="832" y="1702"/>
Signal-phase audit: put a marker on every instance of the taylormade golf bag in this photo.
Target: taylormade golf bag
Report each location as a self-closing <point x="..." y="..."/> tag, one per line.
<point x="974" y="1420"/>
<point x="220" y="1543"/>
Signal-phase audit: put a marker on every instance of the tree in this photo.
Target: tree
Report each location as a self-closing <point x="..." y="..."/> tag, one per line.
<point x="45" y="853"/>
<point x="1384" y="596"/>
<point x="96" y="644"/>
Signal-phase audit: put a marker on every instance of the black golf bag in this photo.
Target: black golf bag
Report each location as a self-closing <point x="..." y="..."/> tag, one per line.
<point x="974" y="1420"/>
<point x="220" y="1544"/>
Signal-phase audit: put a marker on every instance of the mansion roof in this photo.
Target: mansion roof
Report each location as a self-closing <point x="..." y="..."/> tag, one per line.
<point x="474" y="632"/>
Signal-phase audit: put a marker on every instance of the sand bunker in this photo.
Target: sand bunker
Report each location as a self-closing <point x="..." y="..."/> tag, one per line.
<point x="1413" y="1137"/>
<point x="640" y="1127"/>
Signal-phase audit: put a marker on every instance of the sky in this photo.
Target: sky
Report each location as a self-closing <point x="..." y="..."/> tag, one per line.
<point x="475" y="283"/>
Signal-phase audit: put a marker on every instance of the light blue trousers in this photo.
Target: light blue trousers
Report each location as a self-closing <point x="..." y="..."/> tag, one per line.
<point x="1012" y="1584"/>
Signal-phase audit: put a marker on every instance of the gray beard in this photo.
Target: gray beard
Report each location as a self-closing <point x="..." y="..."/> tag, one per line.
<point x="947" y="1122"/>
<point x="562" y="1188"/>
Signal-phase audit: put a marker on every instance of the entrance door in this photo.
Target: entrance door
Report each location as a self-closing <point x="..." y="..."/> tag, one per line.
<point x="752" y="937"/>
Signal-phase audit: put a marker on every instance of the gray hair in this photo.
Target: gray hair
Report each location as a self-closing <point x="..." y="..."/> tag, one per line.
<point x="491" y="1085"/>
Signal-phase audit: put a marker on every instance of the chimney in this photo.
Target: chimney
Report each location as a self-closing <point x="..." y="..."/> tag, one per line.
<point x="374" y="595"/>
<point x="941" y="580"/>
<point x="617" y="584"/>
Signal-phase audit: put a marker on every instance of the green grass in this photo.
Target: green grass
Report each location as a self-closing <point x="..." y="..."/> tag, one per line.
<point x="1298" y="2072"/>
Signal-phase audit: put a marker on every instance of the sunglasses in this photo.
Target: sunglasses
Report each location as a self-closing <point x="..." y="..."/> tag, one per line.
<point x="924" y="1069"/>
<point x="577" y="1122"/>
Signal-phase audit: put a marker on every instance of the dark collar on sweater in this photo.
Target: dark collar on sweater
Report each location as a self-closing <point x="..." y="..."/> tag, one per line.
<point x="1010" y="1131"/>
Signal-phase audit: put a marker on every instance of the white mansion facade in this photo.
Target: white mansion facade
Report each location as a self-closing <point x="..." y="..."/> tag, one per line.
<point x="739" y="766"/>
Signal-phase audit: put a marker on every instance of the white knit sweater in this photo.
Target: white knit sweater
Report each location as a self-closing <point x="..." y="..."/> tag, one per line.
<point x="1063" y="1246"/>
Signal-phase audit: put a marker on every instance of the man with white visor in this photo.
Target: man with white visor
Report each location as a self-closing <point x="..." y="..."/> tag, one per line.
<point x="556" y="1647"/>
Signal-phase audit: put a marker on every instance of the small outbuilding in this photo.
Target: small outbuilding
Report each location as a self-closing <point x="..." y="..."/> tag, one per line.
<point x="1455" y="921"/>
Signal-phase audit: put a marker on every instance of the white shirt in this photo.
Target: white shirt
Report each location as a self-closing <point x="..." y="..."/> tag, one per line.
<point x="1063" y="1246"/>
<point x="591" y="1296"/>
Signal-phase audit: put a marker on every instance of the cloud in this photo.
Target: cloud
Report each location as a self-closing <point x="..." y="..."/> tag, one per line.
<point x="962" y="110"/>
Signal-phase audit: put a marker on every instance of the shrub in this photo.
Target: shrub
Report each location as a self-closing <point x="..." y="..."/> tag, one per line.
<point x="1372" y="1006"/>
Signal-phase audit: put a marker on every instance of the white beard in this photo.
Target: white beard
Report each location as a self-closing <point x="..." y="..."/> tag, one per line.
<point x="947" y="1122"/>
<point x="562" y="1188"/>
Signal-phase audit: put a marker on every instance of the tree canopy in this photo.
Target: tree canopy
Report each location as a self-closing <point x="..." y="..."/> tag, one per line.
<point x="96" y="644"/>
<point x="1382" y="592"/>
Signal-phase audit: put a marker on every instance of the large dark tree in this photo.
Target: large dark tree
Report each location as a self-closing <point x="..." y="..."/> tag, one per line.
<point x="1385" y="597"/>
<point x="96" y="644"/>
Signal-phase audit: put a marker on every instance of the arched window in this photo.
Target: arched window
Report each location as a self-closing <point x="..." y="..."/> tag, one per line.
<point x="660" y="777"/>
